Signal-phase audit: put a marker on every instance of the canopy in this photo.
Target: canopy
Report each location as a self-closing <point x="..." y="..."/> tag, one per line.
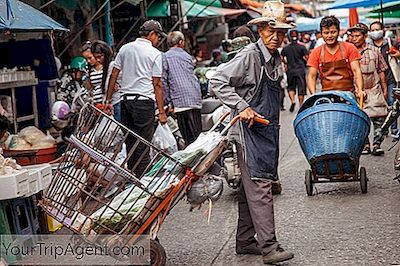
<point x="215" y="3"/>
<point x="308" y="24"/>
<point x="161" y="9"/>
<point x="312" y="24"/>
<point x="18" y="16"/>
<point x="357" y="3"/>
<point x="388" y="7"/>
<point x="388" y="14"/>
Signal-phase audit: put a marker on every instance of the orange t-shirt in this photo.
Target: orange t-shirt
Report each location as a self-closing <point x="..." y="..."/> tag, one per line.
<point x="350" y="52"/>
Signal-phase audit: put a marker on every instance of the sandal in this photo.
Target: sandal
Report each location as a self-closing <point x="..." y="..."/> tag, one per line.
<point x="366" y="150"/>
<point x="377" y="150"/>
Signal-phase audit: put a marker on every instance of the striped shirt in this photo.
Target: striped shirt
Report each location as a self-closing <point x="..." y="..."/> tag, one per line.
<point x="95" y="79"/>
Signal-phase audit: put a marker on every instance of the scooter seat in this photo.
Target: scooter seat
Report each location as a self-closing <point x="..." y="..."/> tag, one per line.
<point x="209" y="105"/>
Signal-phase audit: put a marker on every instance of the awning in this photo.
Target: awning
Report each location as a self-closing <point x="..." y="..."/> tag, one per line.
<point x="387" y="14"/>
<point x="161" y="9"/>
<point x="388" y="7"/>
<point x="308" y="24"/>
<point x="215" y="3"/>
<point x="357" y="3"/>
<point x="18" y="16"/>
<point x="289" y="8"/>
<point x="227" y="11"/>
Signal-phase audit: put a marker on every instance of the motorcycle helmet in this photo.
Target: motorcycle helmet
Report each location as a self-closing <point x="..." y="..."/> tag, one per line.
<point x="79" y="63"/>
<point x="60" y="111"/>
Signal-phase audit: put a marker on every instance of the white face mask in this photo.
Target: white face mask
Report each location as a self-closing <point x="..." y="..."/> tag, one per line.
<point x="376" y="35"/>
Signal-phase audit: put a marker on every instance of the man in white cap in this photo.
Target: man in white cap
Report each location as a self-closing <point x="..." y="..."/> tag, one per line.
<point x="141" y="89"/>
<point x="250" y="85"/>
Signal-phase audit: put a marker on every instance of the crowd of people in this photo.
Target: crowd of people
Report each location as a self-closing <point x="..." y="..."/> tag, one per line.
<point x="251" y="80"/>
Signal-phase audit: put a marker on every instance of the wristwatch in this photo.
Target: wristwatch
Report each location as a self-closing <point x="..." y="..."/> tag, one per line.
<point x="107" y="101"/>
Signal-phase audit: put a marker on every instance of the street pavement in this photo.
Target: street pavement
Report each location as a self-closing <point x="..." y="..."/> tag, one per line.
<point x="338" y="226"/>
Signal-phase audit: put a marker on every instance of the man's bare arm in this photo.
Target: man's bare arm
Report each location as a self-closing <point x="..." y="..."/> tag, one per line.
<point x="312" y="80"/>
<point x="160" y="99"/>
<point x="359" y="84"/>
<point x="382" y="78"/>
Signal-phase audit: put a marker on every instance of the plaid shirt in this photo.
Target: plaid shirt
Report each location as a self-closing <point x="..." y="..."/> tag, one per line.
<point x="180" y="85"/>
<point x="372" y="53"/>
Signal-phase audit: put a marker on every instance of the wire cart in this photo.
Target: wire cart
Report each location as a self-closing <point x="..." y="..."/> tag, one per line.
<point x="94" y="193"/>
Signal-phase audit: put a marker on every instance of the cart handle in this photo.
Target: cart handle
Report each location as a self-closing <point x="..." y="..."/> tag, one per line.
<point x="256" y="119"/>
<point x="220" y="121"/>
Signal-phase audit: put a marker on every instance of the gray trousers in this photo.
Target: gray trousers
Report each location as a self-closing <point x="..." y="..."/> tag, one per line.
<point x="256" y="211"/>
<point x="377" y="122"/>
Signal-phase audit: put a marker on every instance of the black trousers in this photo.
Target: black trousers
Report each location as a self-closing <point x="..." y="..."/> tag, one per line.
<point x="189" y="123"/>
<point x="139" y="117"/>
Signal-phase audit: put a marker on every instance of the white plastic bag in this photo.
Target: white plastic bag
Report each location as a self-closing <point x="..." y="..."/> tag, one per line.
<point x="164" y="139"/>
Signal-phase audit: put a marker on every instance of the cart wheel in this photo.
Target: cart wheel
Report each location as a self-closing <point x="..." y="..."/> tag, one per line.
<point x="308" y="182"/>
<point x="363" y="180"/>
<point x="158" y="257"/>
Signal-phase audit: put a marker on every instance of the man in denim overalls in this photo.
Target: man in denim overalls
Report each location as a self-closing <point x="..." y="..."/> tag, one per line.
<point x="250" y="85"/>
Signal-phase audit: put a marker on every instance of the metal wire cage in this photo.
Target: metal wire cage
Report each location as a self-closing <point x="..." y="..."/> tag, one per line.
<point x="94" y="191"/>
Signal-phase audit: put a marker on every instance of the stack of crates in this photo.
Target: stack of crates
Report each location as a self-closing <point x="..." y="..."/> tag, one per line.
<point x="22" y="216"/>
<point x="5" y="230"/>
<point x="19" y="211"/>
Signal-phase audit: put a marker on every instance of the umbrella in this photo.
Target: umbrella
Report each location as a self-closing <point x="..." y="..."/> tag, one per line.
<point x="358" y="3"/>
<point x="18" y="16"/>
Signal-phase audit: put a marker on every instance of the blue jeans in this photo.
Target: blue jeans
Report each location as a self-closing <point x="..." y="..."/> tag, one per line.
<point x="117" y="111"/>
<point x="391" y="100"/>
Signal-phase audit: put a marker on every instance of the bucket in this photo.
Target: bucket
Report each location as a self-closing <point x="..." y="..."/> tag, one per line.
<point x="29" y="157"/>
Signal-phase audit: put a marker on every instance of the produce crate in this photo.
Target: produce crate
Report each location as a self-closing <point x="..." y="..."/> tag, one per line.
<point x="44" y="174"/>
<point x="33" y="213"/>
<point x="14" y="185"/>
<point x="18" y="210"/>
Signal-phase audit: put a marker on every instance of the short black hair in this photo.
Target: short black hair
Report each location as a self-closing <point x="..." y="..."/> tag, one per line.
<point x="329" y="21"/>
<point x="376" y="22"/>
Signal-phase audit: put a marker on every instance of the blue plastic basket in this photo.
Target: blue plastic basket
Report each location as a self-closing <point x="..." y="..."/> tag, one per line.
<point x="331" y="124"/>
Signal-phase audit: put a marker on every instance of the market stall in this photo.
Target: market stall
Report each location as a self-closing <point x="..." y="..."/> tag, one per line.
<point x="27" y="67"/>
<point x="27" y="63"/>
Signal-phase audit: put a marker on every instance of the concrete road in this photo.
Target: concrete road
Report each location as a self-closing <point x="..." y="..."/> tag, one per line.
<point x="338" y="226"/>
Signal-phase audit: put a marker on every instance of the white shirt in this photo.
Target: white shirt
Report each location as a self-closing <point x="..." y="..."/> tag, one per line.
<point x="140" y="62"/>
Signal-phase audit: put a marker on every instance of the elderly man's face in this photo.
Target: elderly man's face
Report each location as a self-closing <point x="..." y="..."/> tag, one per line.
<point x="272" y="38"/>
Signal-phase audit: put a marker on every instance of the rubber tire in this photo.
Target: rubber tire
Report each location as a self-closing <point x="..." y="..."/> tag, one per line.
<point x="308" y="182"/>
<point x="158" y="256"/>
<point x="363" y="180"/>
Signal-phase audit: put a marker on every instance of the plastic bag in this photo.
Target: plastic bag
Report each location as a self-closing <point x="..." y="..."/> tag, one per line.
<point x="209" y="187"/>
<point x="14" y="142"/>
<point x="164" y="139"/>
<point x="30" y="138"/>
